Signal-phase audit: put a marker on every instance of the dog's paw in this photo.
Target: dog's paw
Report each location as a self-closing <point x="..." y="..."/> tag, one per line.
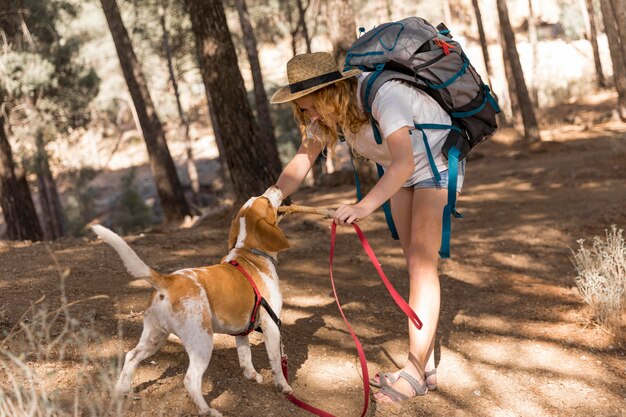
<point x="208" y="411"/>
<point x="285" y="389"/>
<point x="251" y="374"/>
<point x="123" y="390"/>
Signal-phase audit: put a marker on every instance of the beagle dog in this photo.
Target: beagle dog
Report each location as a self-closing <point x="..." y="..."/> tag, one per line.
<point x="195" y="303"/>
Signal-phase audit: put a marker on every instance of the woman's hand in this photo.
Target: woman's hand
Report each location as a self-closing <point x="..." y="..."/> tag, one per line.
<point x="351" y="213"/>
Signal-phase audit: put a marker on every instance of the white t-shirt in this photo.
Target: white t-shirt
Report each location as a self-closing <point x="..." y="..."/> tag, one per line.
<point x="398" y="104"/>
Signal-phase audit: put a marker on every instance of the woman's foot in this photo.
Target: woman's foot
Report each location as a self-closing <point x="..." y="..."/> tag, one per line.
<point x="391" y="377"/>
<point x="431" y="379"/>
<point x="387" y="378"/>
<point x="406" y="386"/>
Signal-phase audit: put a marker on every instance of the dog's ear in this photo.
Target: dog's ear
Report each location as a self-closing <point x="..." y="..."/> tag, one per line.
<point x="270" y="237"/>
<point x="234" y="231"/>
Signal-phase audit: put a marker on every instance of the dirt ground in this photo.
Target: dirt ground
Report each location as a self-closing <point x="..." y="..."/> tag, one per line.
<point x="514" y="339"/>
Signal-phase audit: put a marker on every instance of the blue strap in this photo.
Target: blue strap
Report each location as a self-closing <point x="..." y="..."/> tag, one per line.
<point x="381" y="172"/>
<point x="368" y="88"/>
<point x="387" y="209"/>
<point x="357" y="182"/>
<point x="452" y="79"/>
<point x="450" y="209"/>
<point x="490" y="99"/>
<point x="377" y="137"/>
<point x="431" y="160"/>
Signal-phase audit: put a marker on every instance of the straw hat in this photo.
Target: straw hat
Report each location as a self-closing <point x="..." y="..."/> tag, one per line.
<point x="307" y="73"/>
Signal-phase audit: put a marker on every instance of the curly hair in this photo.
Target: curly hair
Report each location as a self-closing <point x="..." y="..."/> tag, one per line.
<point x="336" y="102"/>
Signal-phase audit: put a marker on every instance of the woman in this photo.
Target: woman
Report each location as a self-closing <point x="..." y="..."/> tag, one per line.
<point x="325" y="102"/>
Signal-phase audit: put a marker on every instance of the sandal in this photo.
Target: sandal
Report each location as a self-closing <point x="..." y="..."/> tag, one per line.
<point x="396" y="396"/>
<point x="432" y="372"/>
<point x="388" y="376"/>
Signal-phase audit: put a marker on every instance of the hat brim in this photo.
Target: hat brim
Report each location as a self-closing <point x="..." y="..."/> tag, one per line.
<point x="284" y="94"/>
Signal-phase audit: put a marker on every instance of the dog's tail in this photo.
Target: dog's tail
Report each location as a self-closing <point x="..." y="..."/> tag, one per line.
<point x="135" y="266"/>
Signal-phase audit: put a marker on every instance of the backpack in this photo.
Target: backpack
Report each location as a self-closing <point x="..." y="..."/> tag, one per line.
<point x="413" y="51"/>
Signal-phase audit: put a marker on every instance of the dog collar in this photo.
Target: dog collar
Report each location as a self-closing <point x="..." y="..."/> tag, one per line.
<point x="264" y="254"/>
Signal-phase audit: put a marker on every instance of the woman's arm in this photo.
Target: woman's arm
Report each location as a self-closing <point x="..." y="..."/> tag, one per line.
<point x="396" y="174"/>
<point x="296" y="170"/>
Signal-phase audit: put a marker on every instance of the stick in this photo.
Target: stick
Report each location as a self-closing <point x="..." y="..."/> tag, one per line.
<point x="325" y="212"/>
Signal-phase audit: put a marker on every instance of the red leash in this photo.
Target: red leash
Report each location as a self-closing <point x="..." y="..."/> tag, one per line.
<point x="396" y="297"/>
<point x="394" y="294"/>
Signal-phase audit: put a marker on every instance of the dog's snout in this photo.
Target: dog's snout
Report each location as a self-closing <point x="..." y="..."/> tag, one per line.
<point x="274" y="195"/>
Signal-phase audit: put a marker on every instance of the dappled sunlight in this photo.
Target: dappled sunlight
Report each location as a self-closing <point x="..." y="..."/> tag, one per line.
<point x="335" y="330"/>
<point x="186" y="252"/>
<point x="530" y="375"/>
<point x="290" y="316"/>
<point x="309" y="300"/>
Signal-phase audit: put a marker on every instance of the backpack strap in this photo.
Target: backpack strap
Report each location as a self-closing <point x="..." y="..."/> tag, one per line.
<point x="450" y="209"/>
<point x="381" y="172"/>
<point x="369" y="88"/>
<point x="372" y="83"/>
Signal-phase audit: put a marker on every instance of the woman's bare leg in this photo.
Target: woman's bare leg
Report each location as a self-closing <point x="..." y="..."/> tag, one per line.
<point x="420" y="237"/>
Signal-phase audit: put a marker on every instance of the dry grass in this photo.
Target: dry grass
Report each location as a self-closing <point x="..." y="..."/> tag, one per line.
<point x="601" y="277"/>
<point x="34" y="356"/>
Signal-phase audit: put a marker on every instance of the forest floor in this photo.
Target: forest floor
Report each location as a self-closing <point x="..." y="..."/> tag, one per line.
<point x="515" y="338"/>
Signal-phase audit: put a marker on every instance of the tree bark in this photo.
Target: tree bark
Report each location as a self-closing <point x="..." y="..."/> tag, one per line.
<point x="610" y="15"/>
<point x="342" y="28"/>
<point x="192" y="169"/>
<point x="592" y="35"/>
<point x="51" y="209"/>
<point x="302" y="24"/>
<point x="168" y="185"/>
<point x="266" y="128"/>
<point x="510" y="56"/>
<point x="532" y="38"/>
<point x="483" y="39"/>
<point x="293" y="24"/>
<point x="251" y="159"/>
<point x="484" y="46"/>
<point x="16" y="201"/>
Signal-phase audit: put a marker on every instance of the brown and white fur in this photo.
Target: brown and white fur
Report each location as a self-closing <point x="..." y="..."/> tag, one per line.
<point x="195" y="303"/>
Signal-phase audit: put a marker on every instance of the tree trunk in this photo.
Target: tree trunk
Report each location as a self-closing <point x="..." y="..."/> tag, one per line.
<point x="192" y="169"/>
<point x="589" y="17"/>
<point x="484" y="46"/>
<point x="266" y="128"/>
<point x="342" y="28"/>
<point x="610" y="15"/>
<point x="510" y="56"/>
<point x="532" y="38"/>
<point x="16" y="201"/>
<point x="51" y="209"/>
<point x="483" y="39"/>
<point x="619" y="11"/>
<point x="168" y="185"/>
<point x="302" y="24"/>
<point x="252" y="160"/>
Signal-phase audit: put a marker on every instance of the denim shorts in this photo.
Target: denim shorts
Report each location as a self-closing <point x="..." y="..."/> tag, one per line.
<point x="443" y="183"/>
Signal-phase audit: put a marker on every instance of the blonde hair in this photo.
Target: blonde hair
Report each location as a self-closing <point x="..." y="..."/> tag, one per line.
<point x="335" y="102"/>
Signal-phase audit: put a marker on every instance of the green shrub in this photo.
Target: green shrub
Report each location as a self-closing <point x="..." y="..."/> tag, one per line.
<point x="132" y="214"/>
<point x="79" y="206"/>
